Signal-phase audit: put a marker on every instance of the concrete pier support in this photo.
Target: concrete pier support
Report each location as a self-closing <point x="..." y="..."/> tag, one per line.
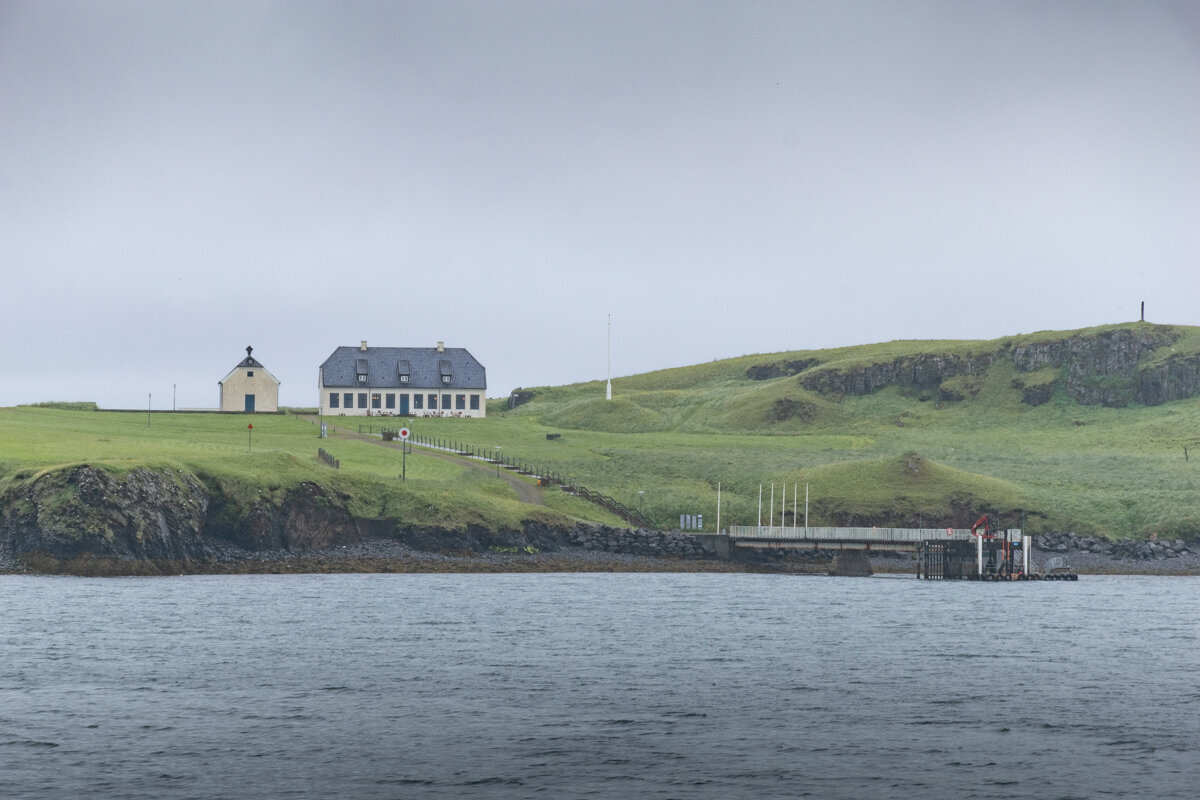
<point x="715" y="544"/>
<point x="852" y="564"/>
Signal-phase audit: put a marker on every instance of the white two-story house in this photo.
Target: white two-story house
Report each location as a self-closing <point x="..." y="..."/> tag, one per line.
<point x="402" y="381"/>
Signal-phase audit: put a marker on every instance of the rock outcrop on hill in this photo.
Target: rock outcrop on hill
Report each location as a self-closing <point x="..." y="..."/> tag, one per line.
<point x="924" y="371"/>
<point x="1112" y="368"/>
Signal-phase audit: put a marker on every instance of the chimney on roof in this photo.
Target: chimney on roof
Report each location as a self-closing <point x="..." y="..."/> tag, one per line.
<point x="441" y="347"/>
<point x="363" y="346"/>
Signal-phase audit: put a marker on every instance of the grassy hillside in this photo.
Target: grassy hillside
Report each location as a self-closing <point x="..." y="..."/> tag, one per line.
<point x="278" y="454"/>
<point x="912" y="451"/>
<point x="672" y="435"/>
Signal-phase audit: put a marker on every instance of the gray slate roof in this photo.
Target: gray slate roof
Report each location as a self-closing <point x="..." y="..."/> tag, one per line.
<point x="384" y="365"/>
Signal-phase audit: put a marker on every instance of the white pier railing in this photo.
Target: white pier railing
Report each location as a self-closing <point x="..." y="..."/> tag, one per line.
<point x="777" y="532"/>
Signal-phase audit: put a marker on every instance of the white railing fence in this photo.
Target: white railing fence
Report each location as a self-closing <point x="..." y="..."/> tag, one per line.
<point x="858" y="534"/>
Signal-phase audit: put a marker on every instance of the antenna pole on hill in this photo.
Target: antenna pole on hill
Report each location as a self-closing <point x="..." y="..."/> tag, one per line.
<point x="1143" y="311"/>
<point x="608" y="388"/>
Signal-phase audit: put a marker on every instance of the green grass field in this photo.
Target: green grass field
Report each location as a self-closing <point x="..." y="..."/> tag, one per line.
<point x="668" y="438"/>
<point x="279" y="453"/>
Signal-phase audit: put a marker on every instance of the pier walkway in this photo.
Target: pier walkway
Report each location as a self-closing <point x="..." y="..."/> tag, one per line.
<point x="768" y="536"/>
<point x="942" y="553"/>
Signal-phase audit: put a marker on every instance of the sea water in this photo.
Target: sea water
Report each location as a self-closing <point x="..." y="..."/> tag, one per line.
<point x="598" y="686"/>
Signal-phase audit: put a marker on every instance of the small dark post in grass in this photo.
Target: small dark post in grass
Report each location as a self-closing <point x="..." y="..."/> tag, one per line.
<point x="249" y="436"/>
<point x="404" y="434"/>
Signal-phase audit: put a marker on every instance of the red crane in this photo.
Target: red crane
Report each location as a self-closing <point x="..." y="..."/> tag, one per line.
<point x="982" y="522"/>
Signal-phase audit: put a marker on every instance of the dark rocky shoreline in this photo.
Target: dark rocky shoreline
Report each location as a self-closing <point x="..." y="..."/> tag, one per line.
<point x="583" y="548"/>
<point x="86" y="521"/>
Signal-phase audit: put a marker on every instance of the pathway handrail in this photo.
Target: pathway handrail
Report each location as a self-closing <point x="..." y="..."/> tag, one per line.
<point x="507" y="461"/>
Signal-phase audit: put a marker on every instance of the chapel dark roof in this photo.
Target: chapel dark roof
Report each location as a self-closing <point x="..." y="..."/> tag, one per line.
<point x="249" y="360"/>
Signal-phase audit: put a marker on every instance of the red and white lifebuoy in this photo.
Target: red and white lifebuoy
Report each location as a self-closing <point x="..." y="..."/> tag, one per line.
<point x="949" y="531"/>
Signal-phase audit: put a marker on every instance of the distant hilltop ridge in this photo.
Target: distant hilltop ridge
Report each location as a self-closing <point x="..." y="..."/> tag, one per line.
<point x="1113" y="366"/>
<point x="1110" y="366"/>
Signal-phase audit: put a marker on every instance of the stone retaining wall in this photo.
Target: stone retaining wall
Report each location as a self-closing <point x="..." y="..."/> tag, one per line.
<point x="638" y="542"/>
<point x="1143" y="549"/>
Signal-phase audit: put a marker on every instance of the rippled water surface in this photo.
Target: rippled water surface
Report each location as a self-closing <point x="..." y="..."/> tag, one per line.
<point x="649" y="686"/>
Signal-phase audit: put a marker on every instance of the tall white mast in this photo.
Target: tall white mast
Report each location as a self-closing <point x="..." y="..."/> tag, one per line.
<point x="608" y="389"/>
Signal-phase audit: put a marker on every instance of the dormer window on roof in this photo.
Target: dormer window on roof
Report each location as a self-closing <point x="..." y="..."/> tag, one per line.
<point x="360" y="369"/>
<point x="404" y="368"/>
<point x="444" y="370"/>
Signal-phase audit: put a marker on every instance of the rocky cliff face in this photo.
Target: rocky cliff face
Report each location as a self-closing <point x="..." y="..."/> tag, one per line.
<point x="308" y="517"/>
<point x="780" y="369"/>
<point x="146" y="513"/>
<point x="161" y="514"/>
<point x="923" y="371"/>
<point x="1105" y="368"/>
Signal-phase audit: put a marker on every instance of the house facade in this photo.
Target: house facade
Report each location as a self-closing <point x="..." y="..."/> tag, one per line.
<point x="249" y="387"/>
<point x="402" y="381"/>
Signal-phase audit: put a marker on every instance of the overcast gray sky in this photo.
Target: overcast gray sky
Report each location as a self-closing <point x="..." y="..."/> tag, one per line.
<point x="180" y="180"/>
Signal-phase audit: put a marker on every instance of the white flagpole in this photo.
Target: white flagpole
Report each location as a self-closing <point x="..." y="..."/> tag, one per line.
<point x="608" y="389"/>
<point x="718" y="506"/>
